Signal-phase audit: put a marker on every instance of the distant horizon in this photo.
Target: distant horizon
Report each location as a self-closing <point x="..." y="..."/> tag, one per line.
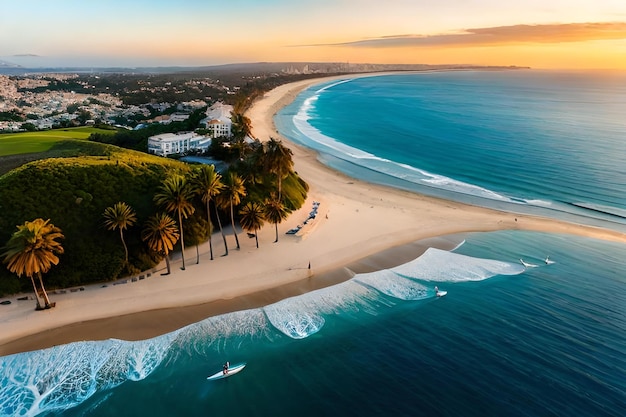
<point x="4" y="69"/>
<point x="6" y="60"/>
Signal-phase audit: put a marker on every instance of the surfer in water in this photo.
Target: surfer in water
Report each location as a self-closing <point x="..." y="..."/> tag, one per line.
<point x="436" y="290"/>
<point x="225" y="368"/>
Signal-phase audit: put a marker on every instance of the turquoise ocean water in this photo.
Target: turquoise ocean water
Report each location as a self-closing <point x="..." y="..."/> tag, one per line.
<point x="546" y="339"/>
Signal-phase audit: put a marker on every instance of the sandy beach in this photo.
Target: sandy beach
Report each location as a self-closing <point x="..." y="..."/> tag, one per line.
<point x="359" y="227"/>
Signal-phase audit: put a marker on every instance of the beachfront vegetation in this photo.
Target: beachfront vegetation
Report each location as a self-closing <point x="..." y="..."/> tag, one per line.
<point x="278" y="161"/>
<point x="175" y="196"/>
<point x="161" y="234"/>
<point x="231" y="196"/>
<point x="275" y="212"/>
<point x="75" y="191"/>
<point x="120" y="216"/>
<point x="252" y="218"/>
<point x="207" y="183"/>
<point x="32" y="250"/>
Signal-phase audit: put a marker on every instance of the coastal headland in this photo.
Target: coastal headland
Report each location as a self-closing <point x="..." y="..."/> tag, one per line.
<point x="359" y="227"/>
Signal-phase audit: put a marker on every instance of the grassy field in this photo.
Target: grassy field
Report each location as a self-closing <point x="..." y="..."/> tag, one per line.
<point x="34" y="142"/>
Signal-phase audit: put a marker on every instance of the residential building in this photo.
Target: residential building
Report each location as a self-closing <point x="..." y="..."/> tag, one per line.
<point x="178" y="117"/>
<point x="218" y="121"/>
<point x="177" y="143"/>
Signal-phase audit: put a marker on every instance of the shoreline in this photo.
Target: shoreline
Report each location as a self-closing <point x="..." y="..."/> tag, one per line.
<point x="141" y="325"/>
<point x="356" y="221"/>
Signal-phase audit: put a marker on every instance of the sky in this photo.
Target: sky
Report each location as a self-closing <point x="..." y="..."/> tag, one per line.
<point x="563" y="34"/>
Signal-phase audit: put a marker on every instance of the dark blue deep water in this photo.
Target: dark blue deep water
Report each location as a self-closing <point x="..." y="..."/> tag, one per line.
<point x="545" y="339"/>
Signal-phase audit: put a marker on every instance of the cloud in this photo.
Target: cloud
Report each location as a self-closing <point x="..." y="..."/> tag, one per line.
<point x="552" y="33"/>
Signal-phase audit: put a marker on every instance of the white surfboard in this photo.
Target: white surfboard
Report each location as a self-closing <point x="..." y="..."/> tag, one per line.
<point x="441" y="293"/>
<point x="232" y="370"/>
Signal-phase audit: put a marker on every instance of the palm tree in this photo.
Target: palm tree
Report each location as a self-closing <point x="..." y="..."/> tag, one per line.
<point x="252" y="218"/>
<point x="32" y="250"/>
<point x="231" y="196"/>
<point x="161" y="234"/>
<point x="279" y="161"/>
<point x="175" y="196"/>
<point x="275" y="212"/>
<point x="241" y="127"/>
<point x="120" y="216"/>
<point x="252" y="167"/>
<point x="208" y="183"/>
<point x="197" y="232"/>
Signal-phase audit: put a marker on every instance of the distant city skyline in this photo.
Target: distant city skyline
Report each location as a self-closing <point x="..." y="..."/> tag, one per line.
<point x="563" y="34"/>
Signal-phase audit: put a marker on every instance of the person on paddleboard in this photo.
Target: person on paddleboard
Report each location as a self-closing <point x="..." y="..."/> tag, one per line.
<point x="225" y="368"/>
<point x="436" y="290"/>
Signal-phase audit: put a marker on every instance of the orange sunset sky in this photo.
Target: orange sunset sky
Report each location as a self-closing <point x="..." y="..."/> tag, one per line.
<point x="537" y="33"/>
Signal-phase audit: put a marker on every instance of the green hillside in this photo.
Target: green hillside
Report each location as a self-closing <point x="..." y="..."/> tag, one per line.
<point x="73" y="193"/>
<point x="32" y="142"/>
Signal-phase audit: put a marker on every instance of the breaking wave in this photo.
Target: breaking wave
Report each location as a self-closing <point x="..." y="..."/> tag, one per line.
<point x="59" y="378"/>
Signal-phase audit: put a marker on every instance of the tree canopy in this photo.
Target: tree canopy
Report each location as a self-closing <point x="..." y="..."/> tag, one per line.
<point x="75" y="193"/>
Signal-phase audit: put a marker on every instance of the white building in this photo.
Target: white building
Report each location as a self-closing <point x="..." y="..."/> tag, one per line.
<point x="178" y="117"/>
<point x="218" y="121"/>
<point x="176" y="143"/>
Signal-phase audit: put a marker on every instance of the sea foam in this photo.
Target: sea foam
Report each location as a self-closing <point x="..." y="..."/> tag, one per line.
<point x="443" y="266"/>
<point x="61" y="377"/>
<point x="373" y="162"/>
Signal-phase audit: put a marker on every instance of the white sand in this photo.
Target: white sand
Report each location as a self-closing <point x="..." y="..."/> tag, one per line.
<point x="355" y="219"/>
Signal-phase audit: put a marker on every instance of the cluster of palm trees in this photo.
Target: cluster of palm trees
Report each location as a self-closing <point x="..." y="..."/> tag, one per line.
<point x="177" y="195"/>
<point x="34" y="247"/>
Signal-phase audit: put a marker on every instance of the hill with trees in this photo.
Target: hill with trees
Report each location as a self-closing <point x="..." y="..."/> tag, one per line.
<point x="76" y="191"/>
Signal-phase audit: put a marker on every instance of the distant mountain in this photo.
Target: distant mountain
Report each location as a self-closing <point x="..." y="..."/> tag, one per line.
<point x="10" y="68"/>
<point x="6" y="64"/>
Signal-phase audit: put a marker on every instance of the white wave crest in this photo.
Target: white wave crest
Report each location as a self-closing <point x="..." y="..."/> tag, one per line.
<point x="326" y="87"/>
<point x="301" y="316"/>
<point x="443" y="266"/>
<point x="62" y="377"/>
<point x="202" y="336"/>
<point x="393" y="285"/>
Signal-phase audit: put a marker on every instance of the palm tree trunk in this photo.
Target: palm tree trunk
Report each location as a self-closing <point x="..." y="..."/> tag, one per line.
<point x="43" y="290"/>
<point x="208" y="218"/>
<point x="232" y="220"/>
<point x="276" y="224"/>
<point x="167" y="263"/>
<point x="197" y="254"/>
<point x="219" y="224"/>
<point x="182" y="239"/>
<point x="256" y="237"/>
<point x="36" y="294"/>
<point x="124" y="243"/>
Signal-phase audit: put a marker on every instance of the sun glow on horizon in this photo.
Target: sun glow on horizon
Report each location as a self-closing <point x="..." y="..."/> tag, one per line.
<point x="194" y="32"/>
